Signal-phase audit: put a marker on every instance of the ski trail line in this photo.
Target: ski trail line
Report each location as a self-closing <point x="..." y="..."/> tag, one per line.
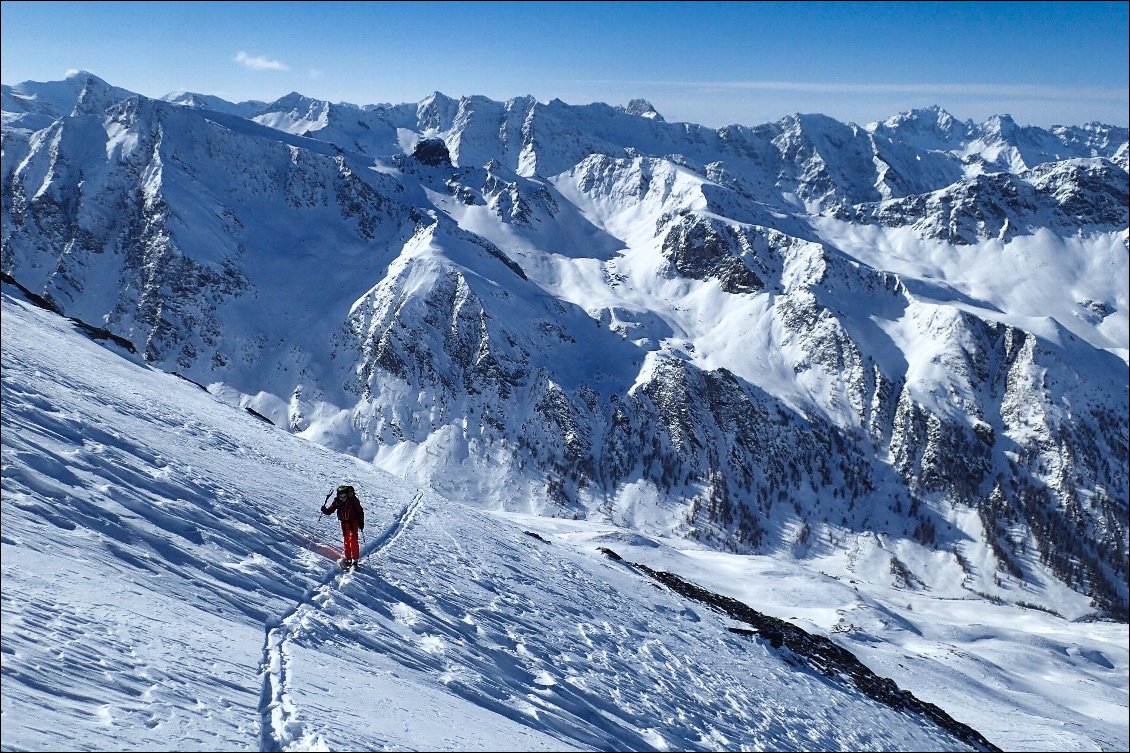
<point x="392" y="533"/>
<point x="279" y="727"/>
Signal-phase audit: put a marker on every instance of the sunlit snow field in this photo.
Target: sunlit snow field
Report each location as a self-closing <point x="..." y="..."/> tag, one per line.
<point x="169" y="584"/>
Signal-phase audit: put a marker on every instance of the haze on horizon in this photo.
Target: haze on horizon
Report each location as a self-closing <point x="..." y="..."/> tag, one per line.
<point x="1044" y="63"/>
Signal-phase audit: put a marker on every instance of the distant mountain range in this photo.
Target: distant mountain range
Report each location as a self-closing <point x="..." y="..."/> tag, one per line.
<point x="907" y="339"/>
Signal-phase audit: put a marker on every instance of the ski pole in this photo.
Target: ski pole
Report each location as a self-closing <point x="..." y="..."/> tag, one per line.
<point x="321" y="515"/>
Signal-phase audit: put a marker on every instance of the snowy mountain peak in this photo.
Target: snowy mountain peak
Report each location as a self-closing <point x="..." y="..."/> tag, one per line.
<point x="887" y="361"/>
<point x="55" y="99"/>
<point x="924" y="121"/>
<point x="590" y="312"/>
<point x="643" y="109"/>
<point x="246" y="109"/>
<point x="83" y="78"/>
<point x="295" y="101"/>
<point x="1000" y="126"/>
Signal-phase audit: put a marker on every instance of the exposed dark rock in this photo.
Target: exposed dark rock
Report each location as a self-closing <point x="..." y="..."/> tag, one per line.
<point x="432" y="152"/>
<point x="94" y="333"/>
<point x="701" y="249"/>
<point x="258" y="415"/>
<point x="38" y="300"/>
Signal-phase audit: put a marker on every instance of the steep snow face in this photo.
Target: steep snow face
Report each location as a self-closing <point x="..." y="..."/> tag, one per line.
<point x="186" y="221"/>
<point x="33" y="105"/>
<point x="778" y="337"/>
<point x="295" y="114"/>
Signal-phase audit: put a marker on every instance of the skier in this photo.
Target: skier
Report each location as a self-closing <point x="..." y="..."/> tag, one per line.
<point x="352" y="518"/>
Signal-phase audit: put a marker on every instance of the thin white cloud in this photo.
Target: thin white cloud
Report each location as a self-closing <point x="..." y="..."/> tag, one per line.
<point x="260" y="63"/>
<point x="316" y="73"/>
<point x="989" y="90"/>
<point x="985" y="90"/>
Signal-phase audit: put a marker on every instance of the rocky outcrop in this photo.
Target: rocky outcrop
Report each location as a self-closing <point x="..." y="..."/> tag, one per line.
<point x="432" y="152"/>
<point x="1061" y="195"/>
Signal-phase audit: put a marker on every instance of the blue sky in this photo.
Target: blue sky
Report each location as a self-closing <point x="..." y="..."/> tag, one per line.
<point x="1044" y="63"/>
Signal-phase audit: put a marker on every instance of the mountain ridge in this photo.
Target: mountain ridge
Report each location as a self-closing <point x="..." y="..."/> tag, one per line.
<point x="587" y="311"/>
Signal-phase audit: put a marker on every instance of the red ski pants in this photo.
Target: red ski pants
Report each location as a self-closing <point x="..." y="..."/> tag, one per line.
<point x="349" y="533"/>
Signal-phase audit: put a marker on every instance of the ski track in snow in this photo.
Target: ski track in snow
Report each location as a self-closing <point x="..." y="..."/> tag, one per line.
<point x="281" y="728"/>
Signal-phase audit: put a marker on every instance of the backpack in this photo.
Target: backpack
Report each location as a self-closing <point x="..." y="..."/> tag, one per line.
<point x="351" y="508"/>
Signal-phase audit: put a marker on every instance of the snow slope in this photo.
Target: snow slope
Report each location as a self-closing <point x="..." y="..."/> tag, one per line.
<point x="167" y="584"/>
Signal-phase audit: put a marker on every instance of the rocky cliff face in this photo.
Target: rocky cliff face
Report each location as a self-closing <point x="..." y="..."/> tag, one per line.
<point x="588" y="311"/>
<point x="1063" y="196"/>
